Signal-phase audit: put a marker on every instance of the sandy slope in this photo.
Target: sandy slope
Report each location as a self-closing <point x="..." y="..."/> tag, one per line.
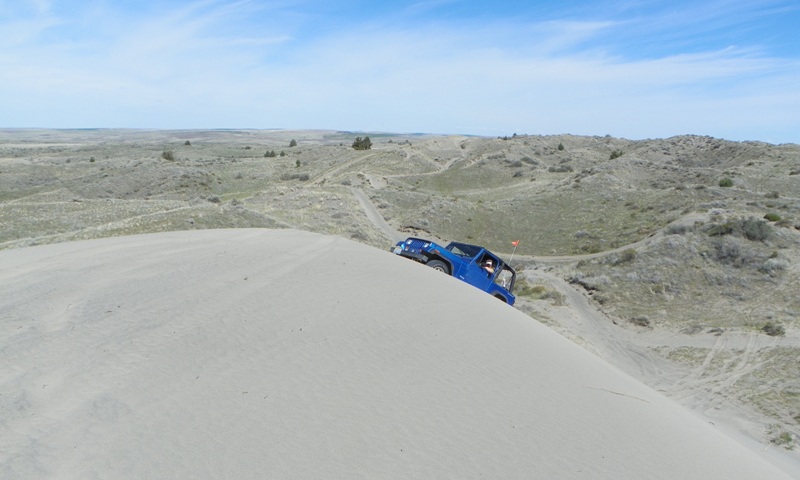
<point x="286" y="354"/>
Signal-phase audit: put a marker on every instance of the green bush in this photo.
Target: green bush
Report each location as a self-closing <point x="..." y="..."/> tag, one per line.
<point x="772" y="217"/>
<point x="756" y="230"/>
<point x="303" y="177"/>
<point x="773" y="329"/>
<point x="168" y="155"/>
<point x="751" y="229"/>
<point x="362" y="143"/>
<point x="625" y="256"/>
<point x="726" y="182"/>
<point x="615" y="154"/>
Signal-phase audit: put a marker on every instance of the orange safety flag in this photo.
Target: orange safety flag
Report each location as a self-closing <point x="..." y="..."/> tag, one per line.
<point x="515" y="243"/>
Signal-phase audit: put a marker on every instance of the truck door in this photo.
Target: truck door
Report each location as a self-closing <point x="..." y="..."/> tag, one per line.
<point x="476" y="275"/>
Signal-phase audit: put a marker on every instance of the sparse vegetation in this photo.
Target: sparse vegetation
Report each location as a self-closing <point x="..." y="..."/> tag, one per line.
<point x="303" y="177"/>
<point x="780" y="437"/>
<point x="750" y="228"/>
<point x="773" y="329"/>
<point x="641" y="321"/>
<point x="671" y="252"/>
<point x="561" y="168"/>
<point x="726" y="182"/>
<point x="625" y="256"/>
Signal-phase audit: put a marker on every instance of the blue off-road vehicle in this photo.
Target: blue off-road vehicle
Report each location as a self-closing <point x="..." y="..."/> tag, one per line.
<point x="473" y="264"/>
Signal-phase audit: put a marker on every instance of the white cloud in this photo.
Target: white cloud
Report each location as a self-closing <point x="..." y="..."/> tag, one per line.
<point x="211" y="65"/>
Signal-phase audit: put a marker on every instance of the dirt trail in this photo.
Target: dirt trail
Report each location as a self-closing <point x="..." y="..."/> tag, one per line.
<point x="375" y="216"/>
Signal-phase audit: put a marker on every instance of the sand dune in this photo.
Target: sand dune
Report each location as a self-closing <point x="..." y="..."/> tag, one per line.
<point x="285" y="354"/>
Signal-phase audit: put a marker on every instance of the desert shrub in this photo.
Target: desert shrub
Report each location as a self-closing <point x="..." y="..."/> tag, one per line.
<point x="529" y="160"/>
<point x="751" y="229"/>
<point x="640" y="321"/>
<point x="773" y="329"/>
<point x="561" y="147"/>
<point x="561" y="168"/>
<point x="214" y="199"/>
<point x="270" y="154"/>
<point x="726" y="182"/>
<point x="168" y="155"/>
<point x="625" y="256"/>
<point x="773" y="266"/>
<point x="756" y="230"/>
<point x="727" y="251"/>
<point x="677" y="229"/>
<point x="517" y="174"/>
<point x="773" y="194"/>
<point x="555" y="296"/>
<point x="615" y="154"/>
<point x="515" y="164"/>
<point x="772" y="217"/>
<point x="293" y="143"/>
<point x="188" y="143"/>
<point x="303" y="177"/>
<point x="537" y="292"/>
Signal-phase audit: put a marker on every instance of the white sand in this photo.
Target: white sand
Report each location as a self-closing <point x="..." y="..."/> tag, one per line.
<point x="285" y="354"/>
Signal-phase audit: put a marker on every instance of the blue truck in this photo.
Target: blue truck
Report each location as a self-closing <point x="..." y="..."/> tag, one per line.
<point x="473" y="264"/>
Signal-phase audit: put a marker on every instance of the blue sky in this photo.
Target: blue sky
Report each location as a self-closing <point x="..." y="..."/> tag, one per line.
<point x="628" y="68"/>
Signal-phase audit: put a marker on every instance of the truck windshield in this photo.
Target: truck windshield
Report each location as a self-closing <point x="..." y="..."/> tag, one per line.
<point x="463" y="249"/>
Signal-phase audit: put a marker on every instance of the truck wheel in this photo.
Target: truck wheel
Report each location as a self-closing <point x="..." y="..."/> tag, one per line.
<point x="440" y="266"/>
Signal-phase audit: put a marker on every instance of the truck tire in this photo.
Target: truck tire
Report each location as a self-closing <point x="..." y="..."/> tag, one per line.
<point x="440" y="266"/>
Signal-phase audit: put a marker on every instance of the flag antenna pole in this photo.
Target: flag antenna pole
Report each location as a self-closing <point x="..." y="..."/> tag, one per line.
<point x="515" y="249"/>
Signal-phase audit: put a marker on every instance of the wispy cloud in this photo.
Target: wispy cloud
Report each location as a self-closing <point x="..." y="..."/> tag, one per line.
<point x="625" y="69"/>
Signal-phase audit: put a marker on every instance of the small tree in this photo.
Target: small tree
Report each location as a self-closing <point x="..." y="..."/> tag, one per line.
<point x="560" y="146"/>
<point x="293" y="143"/>
<point x="362" y="143"/>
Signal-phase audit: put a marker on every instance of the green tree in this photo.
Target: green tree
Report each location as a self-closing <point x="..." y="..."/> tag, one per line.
<point x="362" y="143"/>
<point x="293" y="143"/>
